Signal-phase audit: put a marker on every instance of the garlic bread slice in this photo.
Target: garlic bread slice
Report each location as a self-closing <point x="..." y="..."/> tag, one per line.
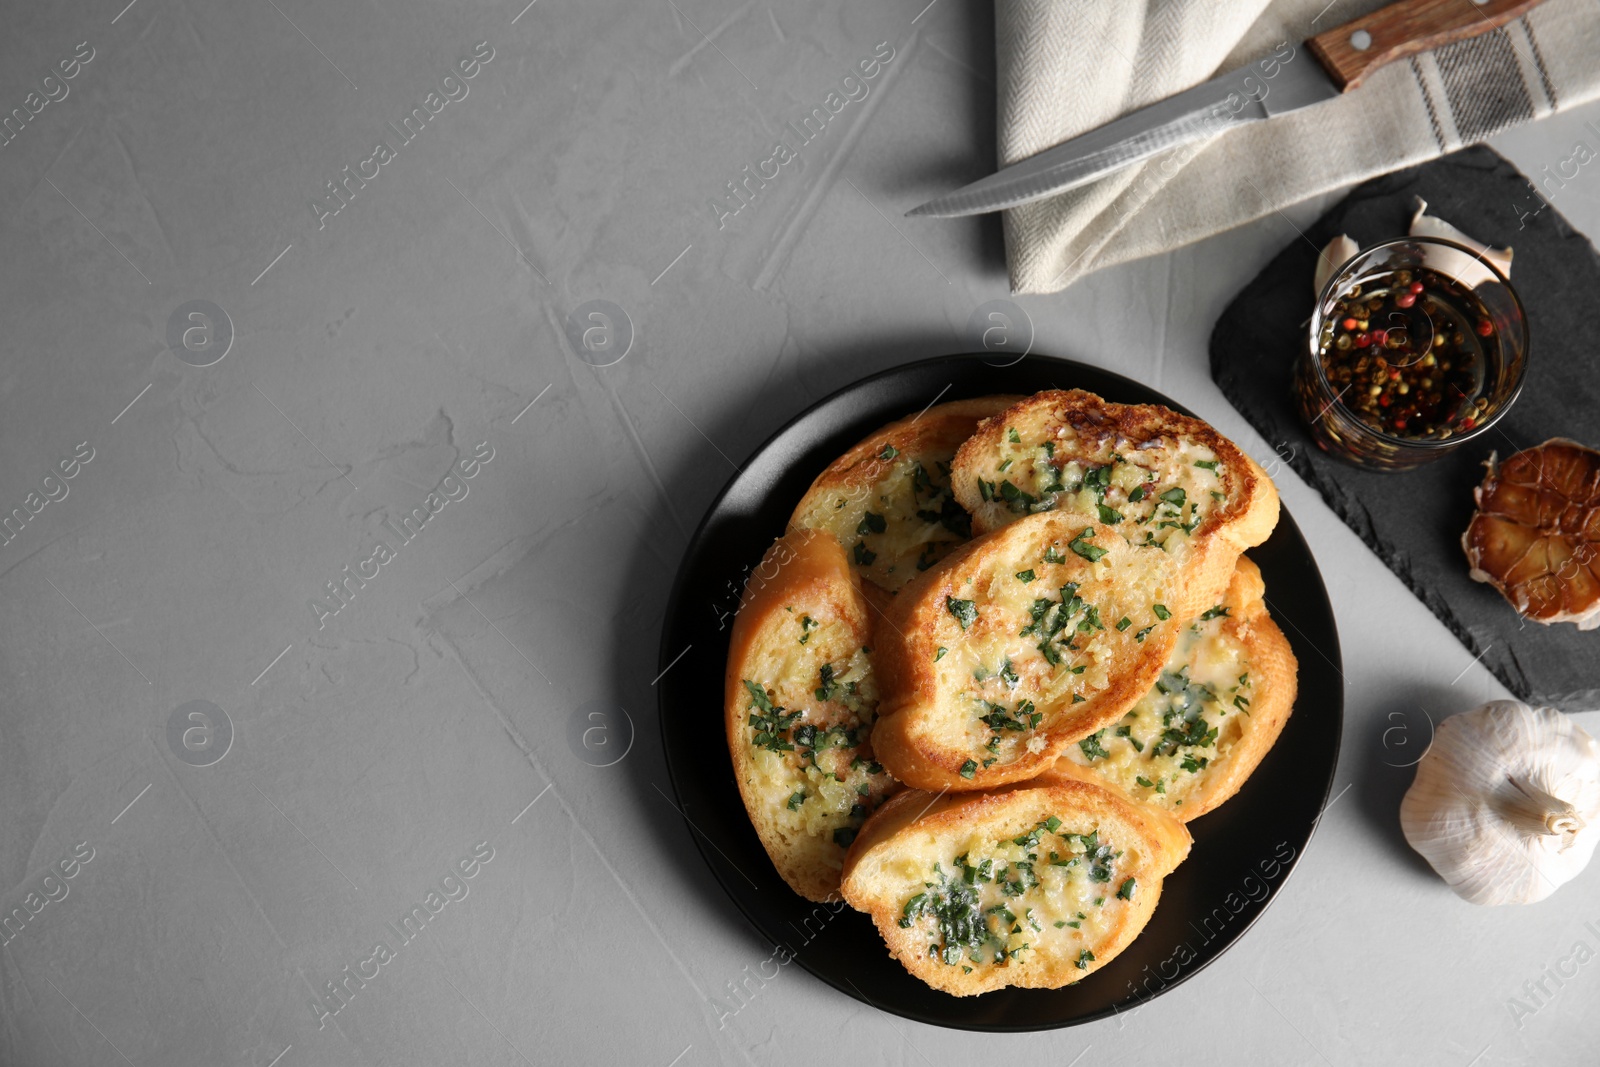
<point x="1220" y="704"/>
<point x="1037" y="884"/>
<point x="1018" y="644"/>
<point x="1159" y="478"/>
<point x="799" y="702"/>
<point x="888" y="499"/>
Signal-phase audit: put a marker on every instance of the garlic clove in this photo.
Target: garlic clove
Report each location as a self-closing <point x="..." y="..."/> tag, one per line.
<point x="1426" y="225"/>
<point x="1506" y="802"/>
<point x="1336" y="254"/>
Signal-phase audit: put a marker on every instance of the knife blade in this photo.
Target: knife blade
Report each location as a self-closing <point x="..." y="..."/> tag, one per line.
<point x="1290" y="78"/>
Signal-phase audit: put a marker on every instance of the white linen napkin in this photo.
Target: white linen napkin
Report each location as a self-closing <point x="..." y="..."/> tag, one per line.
<point x="1067" y="67"/>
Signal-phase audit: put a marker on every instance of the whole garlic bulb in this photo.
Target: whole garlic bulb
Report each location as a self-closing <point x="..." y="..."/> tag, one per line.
<point x="1506" y="802"/>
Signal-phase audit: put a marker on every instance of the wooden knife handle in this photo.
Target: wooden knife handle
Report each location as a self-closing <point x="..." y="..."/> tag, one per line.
<point x="1404" y="29"/>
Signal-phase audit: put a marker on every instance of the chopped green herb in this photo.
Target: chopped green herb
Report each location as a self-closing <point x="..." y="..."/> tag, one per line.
<point x="1161" y="612"/>
<point x="871" y="522"/>
<point x="807" y="624"/>
<point x="1137" y="494"/>
<point x="1124" y="622"/>
<point x="965" y="611"/>
<point x="939" y="655"/>
<point x="1175" y="497"/>
<point x="1142" y="780"/>
<point x="1218" y="612"/>
<point x="969" y="769"/>
<point x="830" y="689"/>
<point x="1081" y="546"/>
<point x="1098" y="480"/>
<point x="889" y="452"/>
<point x="1144" y="633"/>
<point x="770" y="721"/>
<point x="1013" y="437"/>
<point x="1109" y="516"/>
<point x="1060" y="923"/>
<point x="1052" y="556"/>
<point x="1208" y="464"/>
<point x="1084" y="959"/>
<point x="1092" y="749"/>
<point x="1016" y="499"/>
<point x="864" y="555"/>
<point x="951" y="516"/>
<point x="1003" y="466"/>
<point x="1025" y="576"/>
<point x="796" y="799"/>
<point x="1126" y="892"/>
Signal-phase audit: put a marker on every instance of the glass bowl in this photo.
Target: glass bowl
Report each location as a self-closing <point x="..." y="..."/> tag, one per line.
<point x="1389" y="383"/>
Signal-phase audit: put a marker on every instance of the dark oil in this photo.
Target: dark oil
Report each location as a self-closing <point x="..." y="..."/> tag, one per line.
<point x="1407" y="352"/>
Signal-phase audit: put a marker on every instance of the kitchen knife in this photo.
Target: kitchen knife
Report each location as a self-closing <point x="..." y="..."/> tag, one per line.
<point x="1288" y="79"/>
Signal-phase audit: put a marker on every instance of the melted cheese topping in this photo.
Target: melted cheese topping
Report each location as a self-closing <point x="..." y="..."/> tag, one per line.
<point x="1188" y="722"/>
<point x="811" y="762"/>
<point x="1035" y="640"/>
<point x="899" y="522"/>
<point x="1156" y="493"/>
<point x="982" y="902"/>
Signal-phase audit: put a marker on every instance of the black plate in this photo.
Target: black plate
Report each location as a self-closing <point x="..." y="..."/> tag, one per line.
<point x="1242" y="852"/>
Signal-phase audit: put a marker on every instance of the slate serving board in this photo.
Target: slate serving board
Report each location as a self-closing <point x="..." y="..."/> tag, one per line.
<point x="1413" y="520"/>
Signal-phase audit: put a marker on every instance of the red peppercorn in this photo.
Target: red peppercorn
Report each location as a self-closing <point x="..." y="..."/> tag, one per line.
<point x="1394" y="375"/>
<point x="1348" y="324"/>
<point x="1485" y="328"/>
<point x="1400" y="424"/>
<point x="1414" y="287"/>
<point x="1468" y="423"/>
<point x="1384" y="401"/>
<point x="1405" y="300"/>
<point x="1363" y="340"/>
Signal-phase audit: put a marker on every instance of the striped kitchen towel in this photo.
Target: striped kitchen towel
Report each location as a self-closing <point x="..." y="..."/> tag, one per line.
<point x="1069" y="67"/>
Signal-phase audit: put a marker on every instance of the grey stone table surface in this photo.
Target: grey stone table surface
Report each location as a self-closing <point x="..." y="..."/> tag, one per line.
<point x="259" y="341"/>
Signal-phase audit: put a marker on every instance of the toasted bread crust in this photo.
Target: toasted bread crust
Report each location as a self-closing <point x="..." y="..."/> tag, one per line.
<point x="1274" y="674"/>
<point x="803" y="575"/>
<point x="886" y="865"/>
<point x="929" y="728"/>
<point x="1081" y="425"/>
<point x="1248" y="729"/>
<point x="876" y="475"/>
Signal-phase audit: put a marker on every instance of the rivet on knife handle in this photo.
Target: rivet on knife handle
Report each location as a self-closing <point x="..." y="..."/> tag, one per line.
<point x="1358" y="48"/>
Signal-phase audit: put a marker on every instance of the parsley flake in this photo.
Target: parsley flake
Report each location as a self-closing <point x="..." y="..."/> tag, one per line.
<point x="965" y="611"/>
<point x="1081" y="546"/>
